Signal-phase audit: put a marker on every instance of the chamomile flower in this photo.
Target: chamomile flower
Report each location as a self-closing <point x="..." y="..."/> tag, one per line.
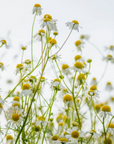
<point x="108" y="58"/>
<point x="1" y="107"/>
<point x="109" y="86"/>
<point x="111" y="128"/>
<point x="105" y="111"/>
<point x="41" y="121"/>
<point x="9" y="139"/>
<point x="78" y="66"/>
<point x="73" y="25"/>
<point x="111" y="47"/>
<point x="23" y="47"/>
<point x="84" y="37"/>
<point x="94" y="88"/>
<point x="91" y="94"/>
<point x="56" y="84"/>
<point x="15" y="116"/>
<point x="97" y="107"/>
<point x="53" y="139"/>
<point x="36" y="128"/>
<point x="2" y="66"/>
<point x="63" y="140"/>
<point x="79" y="45"/>
<point x="39" y="36"/>
<point x="65" y="69"/>
<point x="19" y="67"/>
<point x="107" y="141"/>
<point x="94" y="81"/>
<point x="49" y="23"/>
<point x="59" y="118"/>
<point x="52" y="43"/>
<point x="55" y="57"/>
<point x="80" y="79"/>
<point x="4" y="42"/>
<point x="26" y="89"/>
<point x="37" y="9"/>
<point x="78" y="58"/>
<point x="68" y="100"/>
<point x="93" y="133"/>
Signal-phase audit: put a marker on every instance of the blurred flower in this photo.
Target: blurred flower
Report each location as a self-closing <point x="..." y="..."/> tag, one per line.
<point x="4" y="43"/>
<point x="37" y="9"/>
<point x="108" y="58"/>
<point x="111" y="47"/>
<point x="2" y="66"/>
<point x="79" y="45"/>
<point x="105" y="111"/>
<point x="86" y="37"/>
<point x="39" y="36"/>
<point x="109" y="86"/>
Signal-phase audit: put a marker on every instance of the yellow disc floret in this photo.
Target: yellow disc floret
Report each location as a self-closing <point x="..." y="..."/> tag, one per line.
<point x="77" y="57"/>
<point x="41" y="31"/>
<point x="59" y="117"/>
<point x="23" y="48"/>
<point x="65" y="66"/>
<point x="81" y="76"/>
<point x="46" y="19"/>
<point x="37" y="128"/>
<point x="1" y="64"/>
<point x="93" y="87"/>
<point x="57" y="80"/>
<point x="106" y="108"/>
<point x="63" y="139"/>
<point x="55" y="33"/>
<point x="75" y="22"/>
<point x="55" y="138"/>
<point x="37" y="5"/>
<point x="67" y="97"/>
<point x="109" y="56"/>
<point x="19" y="66"/>
<point x="28" y="61"/>
<point x="107" y="141"/>
<point x="9" y="137"/>
<point x="111" y="125"/>
<point x="16" y="104"/>
<point x="15" y="117"/>
<point x="108" y="83"/>
<point x="1" y="106"/>
<point x="60" y="124"/>
<point x="47" y="16"/>
<point x="91" y="93"/>
<point x="75" y="134"/>
<point x="26" y="86"/>
<point x="97" y="107"/>
<point x="78" y="42"/>
<point x="78" y="65"/>
<point x="93" y="131"/>
<point x="53" y="41"/>
<point x="4" y="41"/>
<point x="41" y="118"/>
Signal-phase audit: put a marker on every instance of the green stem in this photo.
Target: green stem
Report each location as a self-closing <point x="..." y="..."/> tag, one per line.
<point x="104" y="130"/>
<point x="22" y="56"/>
<point x="32" y="40"/>
<point x="89" y="139"/>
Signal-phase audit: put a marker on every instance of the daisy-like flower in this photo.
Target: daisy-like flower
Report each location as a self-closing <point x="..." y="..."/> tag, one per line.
<point x="52" y="42"/>
<point x="108" y="58"/>
<point x="15" y="116"/>
<point x="39" y="36"/>
<point x="68" y="100"/>
<point x="111" y="47"/>
<point x="37" y="9"/>
<point x="9" y="139"/>
<point x="105" y="111"/>
<point x="107" y="141"/>
<point x="94" y="88"/>
<point x="16" y="99"/>
<point x="109" y="86"/>
<point x="19" y="67"/>
<point x="26" y="90"/>
<point x="56" y="84"/>
<point x="79" y="45"/>
<point x="4" y="42"/>
<point x="41" y="121"/>
<point x="73" y="25"/>
<point x="33" y="79"/>
<point x="53" y="139"/>
<point x="94" y="81"/>
<point x="35" y="127"/>
<point x="63" y="140"/>
<point x="2" y="66"/>
<point x="97" y="107"/>
<point x="84" y="37"/>
<point x="111" y="128"/>
<point x="78" y="66"/>
<point x="66" y="69"/>
<point x="78" y="58"/>
<point x="80" y="79"/>
<point x="59" y="118"/>
<point x="27" y="66"/>
<point x="55" y="57"/>
<point x="49" y="23"/>
<point x="55" y="33"/>
<point x="23" y="47"/>
<point x="93" y="133"/>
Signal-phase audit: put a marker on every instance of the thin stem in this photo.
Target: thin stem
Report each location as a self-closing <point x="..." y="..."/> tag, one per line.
<point x="104" y="129"/>
<point x="32" y="40"/>
<point x="89" y="139"/>
<point x="42" y="52"/>
<point x="22" y="56"/>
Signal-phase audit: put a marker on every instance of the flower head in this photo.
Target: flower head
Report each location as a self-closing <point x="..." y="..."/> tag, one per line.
<point x="39" y="36"/>
<point x="2" y="66"/>
<point x="4" y="42"/>
<point x="26" y="89"/>
<point x="79" y="45"/>
<point x="37" y="9"/>
<point x="109" y="86"/>
<point x="68" y="100"/>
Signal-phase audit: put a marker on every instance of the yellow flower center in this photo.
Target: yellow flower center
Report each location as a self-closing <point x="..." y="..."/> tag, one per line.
<point x="78" y="65"/>
<point x="65" y="66"/>
<point x="19" y="66"/>
<point x="97" y="107"/>
<point x="58" y="80"/>
<point x="60" y="124"/>
<point x="111" y="125"/>
<point x="74" y="124"/>
<point x="109" y="56"/>
<point x="89" y="60"/>
<point x="67" y="97"/>
<point x="41" y="31"/>
<point x="1" y="106"/>
<point x="81" y="76"/>
<point x="16" y="104"/>
<point x="28" y="61"/>
<point x="91" y="93"/>
<point x="55" y="138"/>
<point x="1" y="64"/>
<point x="106" y="108"/>
<point x="59" y="117"/>
<point x="78" y="42"/>
<point x="93" y="87"/>
<point x="63" y="139"/>
<point x="64" y="118"/>
<point x="37" y="128"/>
<point x="9" y="137"/>
<point x="16" y="98"/>
<point x="75" y="134"/>
<point x="26" y="87"/>
<point x="75" y="22"/>
<point x="41" y="118"/>
<point x="93" y="131"/>
<point x="23" y="48"/>
<point x="108" y="83"/>
<point x="77" y="57"/>
<point x="94" y="78"/>
<point x="82" y="37"/>
<point x="55" y="33"/>
<point x="112" y="98"/>
<point x="107" y="141"/>
<point x="4" y="41"/>
<point x="47" y="16"/>
<point x="111" y="46"/>
<point x="37" y="5"/>
<point x="53" y="41"/>
<point x="65" y="133"/>
<point x="46" y="19"/>
<point x="15" y="117"/>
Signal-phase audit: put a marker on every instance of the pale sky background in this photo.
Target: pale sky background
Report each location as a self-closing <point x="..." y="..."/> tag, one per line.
<point x="96" y="17"/>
